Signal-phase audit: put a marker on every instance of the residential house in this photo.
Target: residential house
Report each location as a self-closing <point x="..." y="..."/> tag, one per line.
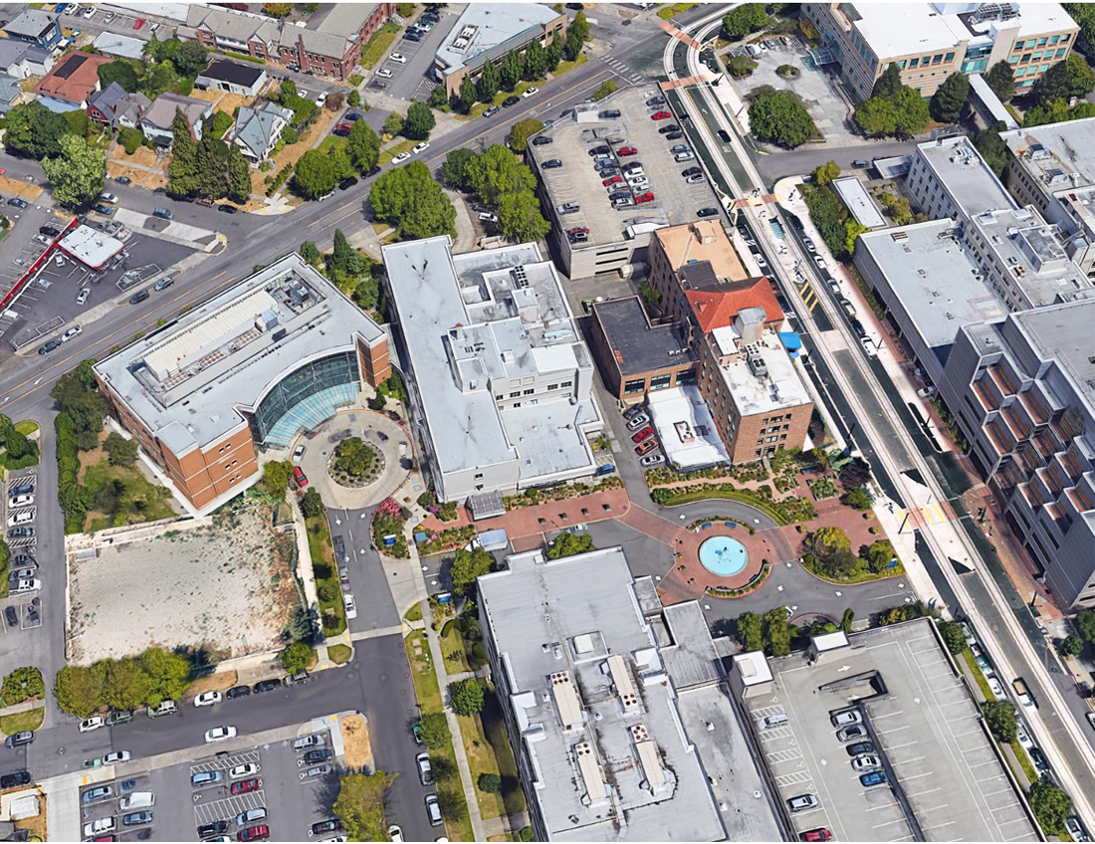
<point x="156" y="121"/>
<point x="22" y="60"/>
<point x="113" y="44"/>
<point x="109" y="106"/>
<point x="258" y="129"/>
<point x="329" y="44"/>
<point x="9" y="92"/>
<point x="35" y="27"/>
<point x="223" y="75"/>
<point x="70" y="83"/>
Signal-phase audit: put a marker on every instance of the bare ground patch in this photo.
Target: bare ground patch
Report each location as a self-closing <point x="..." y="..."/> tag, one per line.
<point x="225" y="587"/>
<point x="355" y="739"/>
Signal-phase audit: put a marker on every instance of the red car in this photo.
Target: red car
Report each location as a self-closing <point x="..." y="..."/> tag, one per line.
<point x="627" y="151"/>
<point x="299" y="477"/>
<point x="643" y="434"/>
<point x="660" y="115"/>
<point x="820" y="834"/>
<point x="645" y="197"/>
<point x="577" y="230"/>
<point x="254" y="833"/>
<point x="643" y="448"/>
<point x="612" y="180"/>
<point x="140" y="22"/>
<point x="246" y="786"/>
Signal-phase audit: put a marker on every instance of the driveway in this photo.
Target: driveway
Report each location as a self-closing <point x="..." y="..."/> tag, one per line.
<point x="413" y="81"/>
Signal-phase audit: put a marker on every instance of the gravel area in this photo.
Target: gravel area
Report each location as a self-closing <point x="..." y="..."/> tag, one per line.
<point x="225" y="587"/>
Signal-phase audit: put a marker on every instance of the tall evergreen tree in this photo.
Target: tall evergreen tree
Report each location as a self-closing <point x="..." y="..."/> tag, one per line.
<point x="554" y="53"/>
<point x="183" y="169"/>
<point x="489" y="82"/>
<point x="1001" y="79"/>
<point x="467" y="96"/>
<point x="535" y="60"/>
<point x="513" y="68"/>
<point x="889" y="83"/>
<point x="948" y="100"/>
<point x="239" y="174"/>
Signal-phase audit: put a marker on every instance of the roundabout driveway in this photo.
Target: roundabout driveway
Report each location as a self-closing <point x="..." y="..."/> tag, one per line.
<point x="376" y="429"/>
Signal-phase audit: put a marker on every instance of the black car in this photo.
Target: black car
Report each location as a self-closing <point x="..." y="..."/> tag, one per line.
<point x="412" y="35"/>
<point x="672" y="127"/>
<point x="620" y="194"/>
<point x="653" y="101"/>
<point x="314" y="757"/>
<point x="227" y="209"/>
<point x="603" y="149"/>
<point x="723" y="135"/>
<point x="347" y="183"/>
<point x="209" y="830"/>
<point x="105" y="210"/>
<point x="610" y="114"/>
<point x="541" y="140"/>
<point x="510" y="101"/>
<point x="691" y="171"/>
<point x="265" y="686"/>
<point x="49" y="347"/>
<point x="237" y="691"/>
<point x="320" y="827"/>
<point x="13" y="621"/>
<point x="137" y="297"/>
<point x="372" y="172"/>
<point x="707" y="212"/>
<point x="123" y="180"/>
<point x="553" y="163"/>
<point x="49" y="231"/>
<point x="20" y="532"/>
<point x="17" y="202"/>
<point x="480" y="208"/>
<point x="12" y="780"/>
<point x="674" y="136"/>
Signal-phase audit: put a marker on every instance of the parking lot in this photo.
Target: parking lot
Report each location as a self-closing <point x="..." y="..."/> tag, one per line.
<point x="274" y="777"/>
<point x="23" y="607"/>
<point x="411" y="80"/>
<point x="942" y="776"/>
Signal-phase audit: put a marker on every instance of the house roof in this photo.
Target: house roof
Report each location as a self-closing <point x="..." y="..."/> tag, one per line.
<point x="717" y="308"/>
<point x="9" y="88"/>
<point x="331" y="36"/>
<point x="221" y="70"/>
<point x="107" y="100"/>
<point x="73" y="78"/>
<point x="255" y="128"/>
<point x="119" y="45"/>
<point x="32" y="23"/>
<point x="162" y="111"/>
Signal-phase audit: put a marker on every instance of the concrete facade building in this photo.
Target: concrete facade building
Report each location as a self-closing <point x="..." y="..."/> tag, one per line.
<point x="617" y="709"/>
<point x="496" y="368"/>
<point x="486" y="32"/>
<point x="931" y="41"/>
<point x="272" y="356"/>
<point x="1023" y="392"/>
<point x="1048" y="159"/>
<point x="328" y="44"/>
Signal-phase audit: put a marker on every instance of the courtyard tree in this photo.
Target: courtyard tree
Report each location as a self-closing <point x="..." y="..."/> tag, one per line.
<point x="467" y="696"/>
<point x="568" y="544"/>
<point x="1001" y="721"/>
<point x="554" y="53"/>
<point x="781" y="118"/>
<point x="120" y="71"/>
<point x="1064" y="80"/>
<point x="296" y="657"/>
<point x="949" y="99"/>
<point x="467" y="566"/>
<point x="122" y="451"/>
<point x="1001" y="79"/>
<point x="360" y="805"/>
<point x="751" y="631"/>
<point x="825" y="173"/>
<point x="310" y="252"/>
<point x="888" y="84"/>
<point x="22" y="684"/>
<point x="275" y="476"/>
<point x="1071" y="646"/>
<point x="418" y="123"/>
<point x="353" y="456"/>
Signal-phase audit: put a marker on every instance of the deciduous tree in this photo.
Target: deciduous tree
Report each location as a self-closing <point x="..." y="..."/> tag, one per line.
<point x="363" y="147"/>
<point x="120" y="71"/>
<point x="781" y="119"/>
<point x="568" y="544"/>
<point x="22" y="684"/>
<point x="467" y="96"/>
<point x="360" y="805"/>
<point x="1051" y="806"/>
<point x="825" y="173"/>
<point x="535" y="60"/>
<point x="296" y="657"/>
<point x="467" y="696"/>
<point x="418" y="123"/>
<point x="949" y="98"/>
<point x="953" y="636"/>
<point x="316" y="174"/>
<point x="744" y="19"/>
<point x="76" y="690"/>
<point x="1000" y="719"/>
<point x="275" y="473"/>
<point x="35" y="131"/>
<point x="466" y="567"/>
<point x="520" y="219"/>
<point x="167" y="674"/>
<point x="122" y="451"/>
<point x="521" y="131"/>
<point x="751" y="631"/>
<point x="454" y="172"/>
<point x="889" y="83"/>
<point x="409" y="198"/>
<point x="496" y="172"/>
<point x="434" y="729"/>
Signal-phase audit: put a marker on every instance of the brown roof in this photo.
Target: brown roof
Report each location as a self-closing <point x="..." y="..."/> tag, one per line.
<point x="717" y="308"/>
<point x="702" y="240"/>
<point x="73" y="78"/>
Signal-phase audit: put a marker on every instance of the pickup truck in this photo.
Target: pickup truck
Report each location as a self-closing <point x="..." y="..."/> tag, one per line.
<point x="1022" y="692"/>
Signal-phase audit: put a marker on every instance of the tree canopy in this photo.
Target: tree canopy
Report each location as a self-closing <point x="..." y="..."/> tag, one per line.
<point x="512" y="69"/>
<point x="1066" y="79"/>
<point x="520" y="219"/>
<point x="744" y="20"/>
<point x="418" y="123"/>
<point x="408" y="197"/>
<point x="467" y="696"/>
<point x="360" y="805"/>
<point x="77" y="173"/>
<point x="903" y="115"/>
<point x="363" y="146"/>
<point x="120" y="71"/>
<point x="318" y="172"/>
<point x="1051" y="806"/>
<point x="825" y="173"/>
<point x="947" y="102"/>
<point x="568" y="544"/>
<point x="495" y="172"/>
<point x="490" y="82"/>
<point x="466" y="567"/>
<point x="780" y="118"/>
<point x="521" y="131"/>
<point x="1001" y="79"/>
<point x="34" y="131"/>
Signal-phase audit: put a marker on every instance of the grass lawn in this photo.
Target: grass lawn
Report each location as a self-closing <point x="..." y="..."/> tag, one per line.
<point x="414" y="613"/>
<point x="1024" y="762"/>
<point x="326" y="572"/>
<point x="566" y="67"/>
<point x="982" y="683"/>
<point x="488" y="751"/>
<point x="376" y="46"/>
<point x="138" y="499"/>
<point x="30" y="720"/>
<point x="403" y="146"/>
<point x="26" y="427"/>
<point x="428" y="693"/>
<point x="499" y="98"/>
<point x="668" y="12"/>
<point x="356" y="79"/>
<point x="330" y="142"/>
<point x="452" y="646"/>
<point x="513" y="797"/>
<point x="340" y="654"/>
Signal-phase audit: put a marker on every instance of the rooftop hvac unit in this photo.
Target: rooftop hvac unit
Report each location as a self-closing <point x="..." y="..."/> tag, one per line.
<point x="757" y="365"/>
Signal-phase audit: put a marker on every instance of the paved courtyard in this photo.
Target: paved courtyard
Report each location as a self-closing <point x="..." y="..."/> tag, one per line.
<point x="224" y="585"/>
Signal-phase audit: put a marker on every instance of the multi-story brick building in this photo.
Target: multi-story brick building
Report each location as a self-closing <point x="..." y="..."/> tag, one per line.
<point x="258" y="364"/>
<point x="931" y="41"/>
<point x="328" y="45"/>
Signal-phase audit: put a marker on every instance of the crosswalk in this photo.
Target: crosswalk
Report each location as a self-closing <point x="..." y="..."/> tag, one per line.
<point x="623" y="70"/>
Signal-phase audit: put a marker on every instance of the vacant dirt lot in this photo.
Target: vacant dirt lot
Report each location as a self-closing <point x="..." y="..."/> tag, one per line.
<point x="225" y="587"/>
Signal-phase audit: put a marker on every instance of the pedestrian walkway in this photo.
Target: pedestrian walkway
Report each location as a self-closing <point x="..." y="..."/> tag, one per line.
<point x="679" y="35"/>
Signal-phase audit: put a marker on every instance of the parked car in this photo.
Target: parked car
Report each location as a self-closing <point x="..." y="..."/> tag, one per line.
<point x="265" y="686"/>
<point x="803" y="802"/>
<point x="433" y="810"/>
<point x="107" y="196"/>
<point x="204" y="778"/>
<point x="97" y="794"/>
<point x="251" y="815"/>
<point x="92" y="723"/>
<point x="105" y="210"/>
<point x="642" y="434"/>
<point x="644" y="197"/>
<point x="661" y="115"/>
<point x="48" y="347"/>
<point x="859" y="748"/>
<point x="403" y="156"/>
<point x="553" y="164"/>
<point x="491" y="111"/>
<point x="299" y="478"/>
<point x="541" y="140"/>
<point x="305" y="742"/>
<point x="867" y="763"/>
<point x="422" y="146"/>
<point x="163" y="283"/>
<point x="637" y="421"/>
<point x="248" y="769"/>
<point x="116" y="757"/>
<point x="652" y="460"/>
<point x="123" y="180"/>
<point x="207" y="699"/>
<point x="672" y="127"/>
<point x="139" y="297"/>
<point x="568" y="208"/>
<point x="208" y="830"/>
<point x="237" y="691"/>
<point x="510" y="101"/>
<point x="314" y="757"/>
<point x="855" y="731"/>
<point x="100" y="826"/>
<point x="626" y="151"/>
<point x="724" y="136"/>
<point x="17" y="778"/>
<point x="119" y="716"/>
<point x="72" y="332"/>
<point x="707" y="212"/>
<point x="321" y="827"/>
<point x="350" y="605"/>
<point x="48" y="231"/>
<point x="254" y="833"/>
<point x="819" y="834"/>
<point x="646" y="446"/>
<point x="83" y="295"/>
<point x="16" y="202"/>
<point x="425" y="772"/>
<point x="219" y="734"/>
<point x="12" y="616"/>
<point x="347" y="183"/>
<point x="246" y="786"/>
<point x="845" y="717"/>
<point x="873" y="779"/>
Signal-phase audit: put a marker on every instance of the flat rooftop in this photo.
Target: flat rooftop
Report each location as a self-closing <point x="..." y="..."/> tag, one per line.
<point x="1063" y="333"/>
<point x="779" y="389"/>
<point x="1034" y="258"/>
<point x="91" y="247"/>
<point x="937" y="281"/>
<point x="1059" y="155"/>
<point x="923" y="723"/>
<point x="489" y="26"/>
<point x="638" y="346"/>
<point x="685" y="427"/>
<point x="594" y="685"/>
<point x="970" y="182"/>
<point x="192" y="380"/>
<point x="699" y="241"/>
<point x="577" y="181"/>
<point x="473" y="323"/>
<point x="852" y="193"/>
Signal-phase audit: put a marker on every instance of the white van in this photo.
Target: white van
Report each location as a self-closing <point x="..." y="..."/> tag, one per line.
<point x="137" y="800"/>
<point x="775" y="721"/>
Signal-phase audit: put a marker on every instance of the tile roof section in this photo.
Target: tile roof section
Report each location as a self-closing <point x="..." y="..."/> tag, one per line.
<point x="717" y="308"/>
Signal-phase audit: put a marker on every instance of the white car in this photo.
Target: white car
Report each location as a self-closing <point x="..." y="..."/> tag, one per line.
<point x="72" y="332"/>
<point x="868" y="346"/>
<point x="241" y="771"/>
<point x="421" y="147"/>
<point x="22" y="518"/>
<point x="530" y="91"/>
<point x="107" y="196"/>
<point x="403" y="156"/>
<point x="207" y="699"/>
<point x="92" y="723"/>
<point x="99" y="827"/>
<point x="398" y="58"/>
<point x="116" y="757"/>
<point x="638" y="422"/>
<point x="31" y="585"/>
<point x="652" y="460"/>
<point x="819" y="261"/>
<point x="321" y="99"/>
<point x="384" y="73"/>
<point x="298" y="453"/>
<point x="219" y="734"/>
<point x="351" y="607"/>
<point x="24" y="500"/>
<point x="395" y="833"/>
<point x="81" y="297"/>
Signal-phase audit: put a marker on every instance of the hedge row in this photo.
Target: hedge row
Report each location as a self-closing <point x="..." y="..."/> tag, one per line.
<point x="69" y="494"/>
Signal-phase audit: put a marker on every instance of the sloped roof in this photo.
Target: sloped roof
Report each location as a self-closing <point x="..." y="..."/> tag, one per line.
<point x="73" y="78"/>
<point x="162" y="111"/>
<point x="222" y="70"/>
<point x="107" y="100"/>
<point x="255" y="127"/>
<point x="717" y="308"/>
<point x="9" y="88"/>
<point x="32" y="23"/>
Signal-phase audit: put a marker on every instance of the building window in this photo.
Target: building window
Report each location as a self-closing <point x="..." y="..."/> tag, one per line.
<point x="567" y="384"/>
<point x="515" y="395"/>
<point x="499" y="398"/>
<point x="901" y="64"/>
<point x="1064" y="38"/>
<point x="529" y="392"/>
<point x="1036" y="57"/>
<point x="1054" y="39"/>
<point x="517" y="404"/>
<point x="553" y="386"/>
<point x="1060" y="52"/>
<point x="478" y="475"/>
<point x="938" y="59"/>
<point x="1025" y="59"/>
<point x="1043" y="68"/>
<point x="660" y="382"/>
<point x="1042" y="42"/>
<point x="1031" y="43"/>
<point x="636" y="386"/>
